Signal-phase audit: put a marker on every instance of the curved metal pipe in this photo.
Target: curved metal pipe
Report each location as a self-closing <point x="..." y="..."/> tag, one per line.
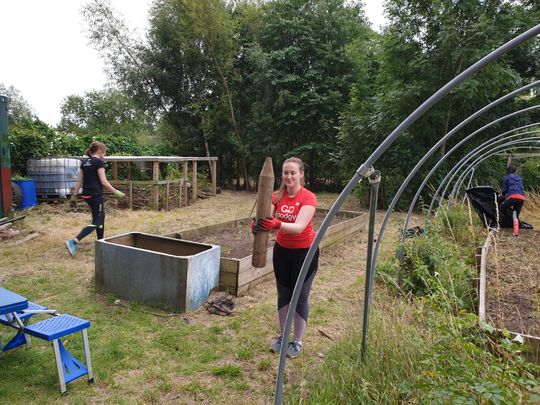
<point x="459" y="181"/>
<point x="365" y="169"/>
<point x="487" y="156"/>
<point x="443" y="158"/>
<point x="486" y="144"/>
<point x="450" y="175"/>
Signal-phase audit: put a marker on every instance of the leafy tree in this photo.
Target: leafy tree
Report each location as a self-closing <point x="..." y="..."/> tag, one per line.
<point x="104" y="112"/>
<point x="300" y="79"/>
<point x="18" y="108"/>
<point x="425" y="45"/>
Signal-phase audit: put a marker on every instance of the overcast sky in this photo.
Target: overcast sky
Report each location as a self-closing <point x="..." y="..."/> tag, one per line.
<point x="44" y="52"/>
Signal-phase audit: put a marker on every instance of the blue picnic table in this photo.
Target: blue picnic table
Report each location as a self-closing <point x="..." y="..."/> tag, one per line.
<point x="11" y="303"/>
<point x="16" y="310"/>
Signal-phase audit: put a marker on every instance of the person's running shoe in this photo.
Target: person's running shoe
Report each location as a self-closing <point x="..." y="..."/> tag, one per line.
<point x="71" y="247"/>
<point x="275" y="347"/>
<point x="294" y="349"/>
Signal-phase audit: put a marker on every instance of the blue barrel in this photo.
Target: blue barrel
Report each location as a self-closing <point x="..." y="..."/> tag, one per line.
<point x="28" y="190"/>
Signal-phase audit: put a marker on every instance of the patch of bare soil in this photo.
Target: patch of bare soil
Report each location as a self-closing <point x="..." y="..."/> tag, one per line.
<point x="513" y="277"/>
<point x="236" y="241"/>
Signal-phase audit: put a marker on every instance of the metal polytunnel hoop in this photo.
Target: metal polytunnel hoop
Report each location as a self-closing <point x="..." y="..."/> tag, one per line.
<point x="364" y="171"/>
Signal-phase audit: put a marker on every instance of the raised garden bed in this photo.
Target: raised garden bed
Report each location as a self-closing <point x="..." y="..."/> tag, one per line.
<point x="512" y="298"/>
<point x="237" y="275"/>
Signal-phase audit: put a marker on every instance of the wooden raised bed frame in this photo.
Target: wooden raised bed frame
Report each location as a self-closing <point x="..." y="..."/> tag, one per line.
<point x="238" y="276"/>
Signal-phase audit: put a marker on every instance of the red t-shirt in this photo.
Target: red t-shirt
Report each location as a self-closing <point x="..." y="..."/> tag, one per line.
<point x="287" y="210"/>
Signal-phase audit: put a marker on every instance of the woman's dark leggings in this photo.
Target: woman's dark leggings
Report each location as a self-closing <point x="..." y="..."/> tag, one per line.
<point x="287" y="264"/>
<point x="98" y="218"/>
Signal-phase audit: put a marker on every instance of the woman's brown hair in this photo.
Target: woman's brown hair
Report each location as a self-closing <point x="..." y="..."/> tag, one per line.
<point x="94" y="147"/>
<point x="283" y="187"/>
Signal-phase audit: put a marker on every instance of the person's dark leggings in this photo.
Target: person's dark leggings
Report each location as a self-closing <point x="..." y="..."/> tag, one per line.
<point x="287" y="264"/>
<point x="98" y="218"/>
<point x="512" y="204"/>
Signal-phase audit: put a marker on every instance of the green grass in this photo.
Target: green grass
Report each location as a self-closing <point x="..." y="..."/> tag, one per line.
<point x="427" y="348"/>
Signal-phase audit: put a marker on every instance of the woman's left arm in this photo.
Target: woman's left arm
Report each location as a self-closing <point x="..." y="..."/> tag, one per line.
<point x="104" y="181"/>
<point x="302" y="220"/>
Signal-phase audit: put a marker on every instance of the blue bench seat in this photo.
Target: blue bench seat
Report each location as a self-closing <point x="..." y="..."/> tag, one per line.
<point x="57" y="326"/>
<point x="52" y="330"/>
<point x="20" y="338"/>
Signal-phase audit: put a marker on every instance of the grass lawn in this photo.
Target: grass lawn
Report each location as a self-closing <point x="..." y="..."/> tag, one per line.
<point x="143" y="355"/>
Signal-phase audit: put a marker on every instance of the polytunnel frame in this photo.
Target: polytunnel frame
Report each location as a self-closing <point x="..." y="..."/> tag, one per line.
<point x="364" y="171"/>
<point x="459" y="179"/>
<point x="502" y="137"/>
<point x="449" y="153"/>
<point x="451" y="172"/>
<point x="480" y="159"/>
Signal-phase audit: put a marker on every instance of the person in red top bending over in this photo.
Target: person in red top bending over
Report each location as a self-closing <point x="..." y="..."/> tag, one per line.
<point x="293" y="207"/>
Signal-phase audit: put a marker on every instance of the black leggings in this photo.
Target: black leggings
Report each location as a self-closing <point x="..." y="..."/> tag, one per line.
<point x="98" y="218"/>
<point x="512" y="204"/>
<point x="287" y="264"/>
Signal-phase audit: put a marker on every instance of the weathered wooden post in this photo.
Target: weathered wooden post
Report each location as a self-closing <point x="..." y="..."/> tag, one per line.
<point x="264" y="208"/>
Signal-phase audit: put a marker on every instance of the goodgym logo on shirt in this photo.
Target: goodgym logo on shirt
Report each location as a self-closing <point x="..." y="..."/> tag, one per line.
<point x="287" y="213"/>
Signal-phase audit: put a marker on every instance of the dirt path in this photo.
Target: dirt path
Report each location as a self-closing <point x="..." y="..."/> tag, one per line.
<point x="513" y="294"/>
<point x="188" y="358"/>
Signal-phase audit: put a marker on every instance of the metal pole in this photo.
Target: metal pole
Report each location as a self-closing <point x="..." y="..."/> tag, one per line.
<point x="374" y="181"/>
<point x="464" y="140"/>
<point x="480" y="148"/>
<point x="490" y="154"/>
<point x="278" y="398"/>
<point x="459" y="181"/>
<point x="364" y="171"/>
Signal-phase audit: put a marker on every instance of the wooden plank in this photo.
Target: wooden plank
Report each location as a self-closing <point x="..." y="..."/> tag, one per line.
<point x="167" y="191"/>
<point x="194" y="181"/>
<point x="228" y="280"/>
<point x="244" y="289"/>
<point x="184" y="183"/>
<point x="145" y="182"/>
<point x="130" y="203"/>
<point x="155" y="187"/>
<point x="228" y="265"/>
<point x="157" y="158"/>
<point x="179" y="188"/>
<point x="214" y="176"/>
<point x="115" y="170"/>
<point x="254" y="273"/>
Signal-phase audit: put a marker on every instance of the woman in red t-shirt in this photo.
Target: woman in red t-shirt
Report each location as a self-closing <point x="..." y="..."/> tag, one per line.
<point x="293" y="207"/>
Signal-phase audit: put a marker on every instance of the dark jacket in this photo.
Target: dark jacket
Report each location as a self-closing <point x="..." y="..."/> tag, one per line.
<point x="512" y="184"/>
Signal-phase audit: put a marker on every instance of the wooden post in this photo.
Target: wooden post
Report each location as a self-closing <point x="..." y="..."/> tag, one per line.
<point x="115" y="170"/>
<point x="264" y="208"/>
<point x="167" y="196"/>
<point x="194" y="181"/>
<point x="214" y="176"/>
<point x="155" y="186"/>
<point x="179" y="187"/>
<point x="184" y="183"/>
<point x="130" y="195"/>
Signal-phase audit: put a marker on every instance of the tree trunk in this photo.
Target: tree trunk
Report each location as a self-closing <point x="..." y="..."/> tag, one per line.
<point x="231" y="111"/>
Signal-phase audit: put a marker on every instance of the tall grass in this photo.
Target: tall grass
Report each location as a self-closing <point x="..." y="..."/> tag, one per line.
<point x="427" y="348"/>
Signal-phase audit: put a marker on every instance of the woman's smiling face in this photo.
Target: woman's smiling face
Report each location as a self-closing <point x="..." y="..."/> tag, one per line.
<point x="292" y="176"/>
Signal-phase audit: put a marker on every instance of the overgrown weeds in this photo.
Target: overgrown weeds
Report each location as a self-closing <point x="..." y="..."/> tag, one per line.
<point x="428" y="348"/>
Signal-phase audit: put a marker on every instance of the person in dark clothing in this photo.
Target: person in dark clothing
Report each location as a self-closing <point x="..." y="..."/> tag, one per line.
<point x="514" y="196"/>
<point x="92" y="178"/>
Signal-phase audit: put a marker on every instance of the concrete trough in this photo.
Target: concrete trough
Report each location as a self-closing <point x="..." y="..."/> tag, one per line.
<point x="165" y="272"/>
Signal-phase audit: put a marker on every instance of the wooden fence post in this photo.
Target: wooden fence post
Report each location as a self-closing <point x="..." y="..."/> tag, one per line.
<point x="155" y="186"/>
